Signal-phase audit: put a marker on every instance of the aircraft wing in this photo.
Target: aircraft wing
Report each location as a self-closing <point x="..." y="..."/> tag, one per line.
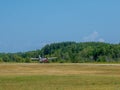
<point x="35" y="58"/>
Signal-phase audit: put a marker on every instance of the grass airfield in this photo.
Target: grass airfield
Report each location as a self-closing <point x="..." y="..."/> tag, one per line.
<point x="36" y="76"/>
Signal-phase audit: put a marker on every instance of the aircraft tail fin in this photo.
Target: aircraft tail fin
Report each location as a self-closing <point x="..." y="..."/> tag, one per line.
<point x="39" y="57"/>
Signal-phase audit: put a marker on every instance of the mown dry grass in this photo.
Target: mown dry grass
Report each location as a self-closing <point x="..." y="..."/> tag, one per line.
<point x="59" y="69"/>
<point x="59" y="76"/>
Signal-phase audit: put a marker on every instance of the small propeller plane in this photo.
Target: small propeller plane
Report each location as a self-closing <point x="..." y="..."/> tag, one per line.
<point x="43" y="60"/>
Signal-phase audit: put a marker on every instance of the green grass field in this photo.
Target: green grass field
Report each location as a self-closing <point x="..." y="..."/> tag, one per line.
<point x="59" y="76"/>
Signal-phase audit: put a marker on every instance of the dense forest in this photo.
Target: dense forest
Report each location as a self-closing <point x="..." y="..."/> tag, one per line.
<point x="69" y="52"/>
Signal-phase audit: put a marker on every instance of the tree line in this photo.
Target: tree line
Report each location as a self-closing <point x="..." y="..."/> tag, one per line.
<point x="69" y="52"/>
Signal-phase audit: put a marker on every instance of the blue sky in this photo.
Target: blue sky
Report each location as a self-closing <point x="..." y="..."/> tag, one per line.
<point x="30" y="24"/>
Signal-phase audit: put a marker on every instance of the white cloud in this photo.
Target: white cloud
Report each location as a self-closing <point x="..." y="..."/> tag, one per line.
<point x="101" y="40"/>
<point x="93" y="37"/>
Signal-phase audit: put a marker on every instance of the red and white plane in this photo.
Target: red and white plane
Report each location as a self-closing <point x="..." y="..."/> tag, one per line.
<point x="43" y="60"/>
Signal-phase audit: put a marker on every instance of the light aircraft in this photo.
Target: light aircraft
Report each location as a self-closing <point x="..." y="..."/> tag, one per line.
<point x="43" y="60"/>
